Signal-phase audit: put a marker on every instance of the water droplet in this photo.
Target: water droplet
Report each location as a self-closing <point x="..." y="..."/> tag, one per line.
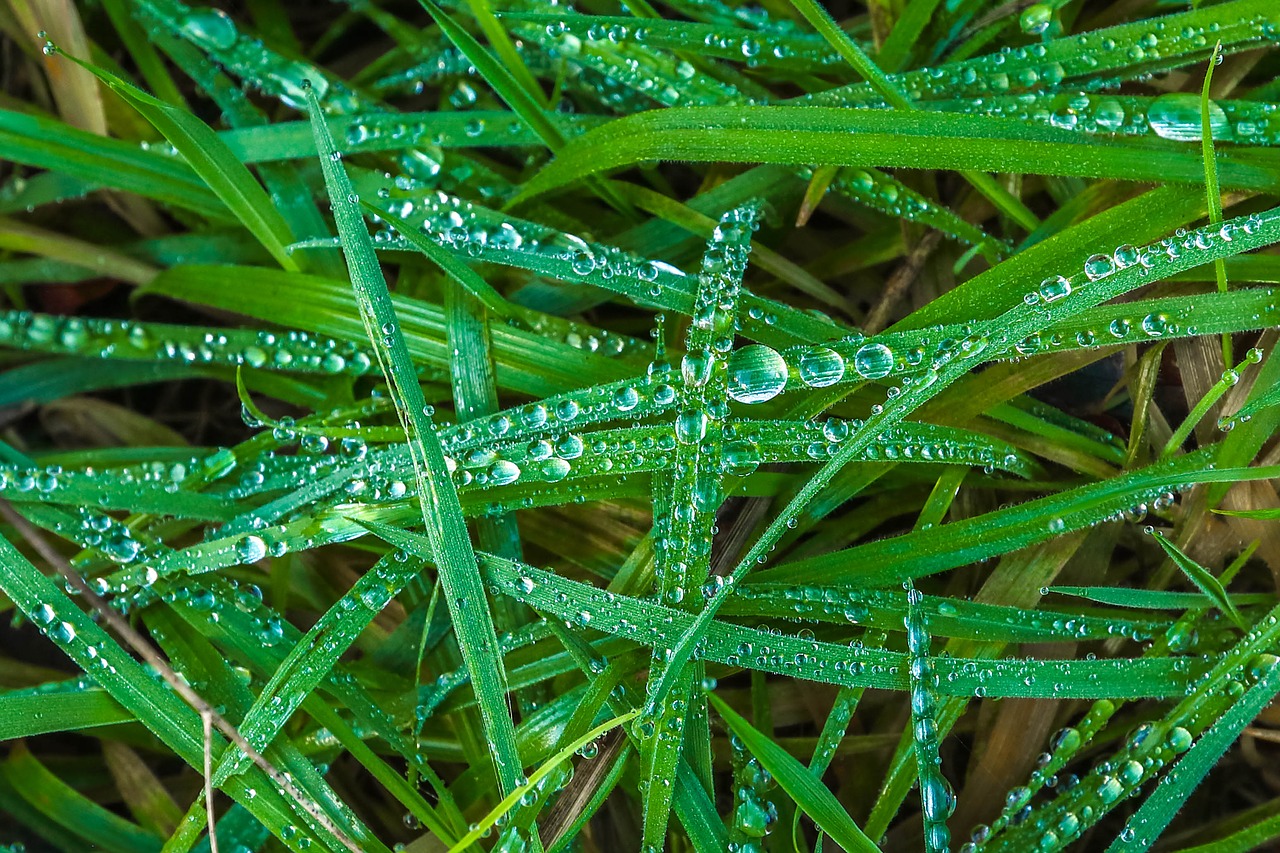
<point x="250" y="549"/>
<point x="820" y="367"/>
<point x="1054" y="288"/>
<point x="873" y="361"/>
<point x="756" y="374"/>
<point x="1099" y="266"/>
<point x="1177" y="116"/>
<point x="1155" y="324"/>
<point x="211" y="28"/>
<point x="1036" y="19"/>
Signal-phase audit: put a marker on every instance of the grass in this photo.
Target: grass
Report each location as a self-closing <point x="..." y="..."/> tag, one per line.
<point x="693" y="425"/>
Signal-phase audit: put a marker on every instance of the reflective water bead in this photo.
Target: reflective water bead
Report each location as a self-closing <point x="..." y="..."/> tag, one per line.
<point x="757" y="373"/>
<point x="503" y="472"/>
<point x="1155" y="324"/>
<point x="741" y="457"/>
<point x="1177" y="116"/>
<point x="1054" y="287"/>
<point x="1036" y="19"/>
<point x="691" y="426"/>
<point x="873" y="361"/>
<point x="555" y="469"/>
<point x="696" y="366"/>
<point x="1099" y="266"/>
<point x="211" y="27"/>
<point x="1109" y="115"/>
<point x="820" y="367"/>
<point x="251" y="549"/>
<point x="1125" y="256"/>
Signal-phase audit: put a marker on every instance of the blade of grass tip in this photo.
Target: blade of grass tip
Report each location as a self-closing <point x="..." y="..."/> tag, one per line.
<point x="822" y="21"/>
<point x="482" y="827"/>
<point x="212" y="160"/>
<point x="1203" y="579"/>
<point x="441" y="510"/>
<point x="1228" y="380"/>
<point x="1212" y="192"/>
<point x="516" y="95"/>
<point x="818" y="185"/>
<point x="803" y="787"/>
<point x="144" y="53"/>
<point x="1168" y="797"/>
<point x="1269" y="513"/>
<point x="78" y="96"/>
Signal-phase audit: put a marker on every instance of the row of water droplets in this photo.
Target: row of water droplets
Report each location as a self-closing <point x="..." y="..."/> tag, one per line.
<point x="1079" y="802"/>
<point x="937" y="801"/>
<point x="684" y="524"/>
<point x="122" y="339"/>
<point x="215" y="33"/>
<point x="881" y="608"/>
<point x="629" y="64"/>
<point x="754" y="813"/>
<point x="736" y="43"/>
<point x="1103" y="58"/>
<point x="1038" y="308"/>
<point x="887" y="194"/>
<point x="1175" y="115"/>
<point x="800" y="655"/>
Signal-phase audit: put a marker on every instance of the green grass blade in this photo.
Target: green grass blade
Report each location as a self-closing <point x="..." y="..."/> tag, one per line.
<point x="1203" y="579"/>
<point x="441" y="512"/>
<point x="809" y="794"/>
<point x="210" y="158"/>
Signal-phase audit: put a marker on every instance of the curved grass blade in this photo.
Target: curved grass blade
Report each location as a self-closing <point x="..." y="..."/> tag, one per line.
<point x="821" y="135"/>
<point x="210" y="158"/>
<point x="1203" y="579"/>
<point x="509" y="802"/>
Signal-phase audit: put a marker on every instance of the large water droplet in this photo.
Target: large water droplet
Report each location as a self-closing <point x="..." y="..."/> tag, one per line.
<point x="820" y="367"/>
<point x="756" y="373"/>
<point x="251" y="549"/>
<point x="1054" y="287"/>
<point x="1099" y="266"/>
<point x="873" y="361"/>
<point x="1177" y="116"/>
<point x="211" y="28"/>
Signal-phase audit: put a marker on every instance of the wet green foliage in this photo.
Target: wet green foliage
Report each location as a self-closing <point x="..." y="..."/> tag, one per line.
<point x="691" y="425"/>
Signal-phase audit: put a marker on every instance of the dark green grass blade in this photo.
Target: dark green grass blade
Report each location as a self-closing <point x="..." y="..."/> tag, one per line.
<point x="441" y="512"/>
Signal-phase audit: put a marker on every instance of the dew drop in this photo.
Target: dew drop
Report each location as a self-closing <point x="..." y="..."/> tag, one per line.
<point x="757" y="373"/>
<point x="820" y="367"/>
<point x="1176" y="116"/>
<point x="250" y="549"/>
<point x="873" y="361"/>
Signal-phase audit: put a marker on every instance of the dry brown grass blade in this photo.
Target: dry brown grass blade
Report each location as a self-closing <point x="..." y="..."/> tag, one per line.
<point x="900" y="282"/>
<point x="586" y="779"/>
<point x="75" y="90"/>
<point x="145" y="795"/>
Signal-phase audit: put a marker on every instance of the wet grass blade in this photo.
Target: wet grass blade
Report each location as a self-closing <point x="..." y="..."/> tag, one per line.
<point x="441" y="512"/>
<point x="808" y="793"/>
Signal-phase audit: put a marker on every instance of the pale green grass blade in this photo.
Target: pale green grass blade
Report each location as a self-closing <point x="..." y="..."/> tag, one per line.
<point x="212" y="161"/>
